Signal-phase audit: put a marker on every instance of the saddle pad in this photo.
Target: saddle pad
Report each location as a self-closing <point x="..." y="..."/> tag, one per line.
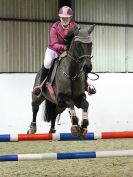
<point x="51" y="91"/>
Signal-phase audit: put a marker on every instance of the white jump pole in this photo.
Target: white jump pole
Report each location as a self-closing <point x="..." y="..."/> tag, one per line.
<point x="66" y="155"/>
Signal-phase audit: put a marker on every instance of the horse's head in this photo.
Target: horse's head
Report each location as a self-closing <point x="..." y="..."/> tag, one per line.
<point x="81" y="46"/>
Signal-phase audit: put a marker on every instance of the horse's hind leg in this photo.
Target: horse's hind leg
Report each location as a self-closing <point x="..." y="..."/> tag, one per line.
<point x="33" y="128"/>
<point x="50" y="114"/>
<point x="35" y="107"/>
<point x="52" y="128"/>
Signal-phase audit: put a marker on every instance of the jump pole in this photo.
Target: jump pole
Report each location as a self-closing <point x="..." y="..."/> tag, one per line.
<point x="64" y="136"/>
<point x="66" y="155"/>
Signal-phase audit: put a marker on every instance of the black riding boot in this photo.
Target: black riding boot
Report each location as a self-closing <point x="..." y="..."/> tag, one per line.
<point x="40" y="77"/>
<point x="42" y="74"/>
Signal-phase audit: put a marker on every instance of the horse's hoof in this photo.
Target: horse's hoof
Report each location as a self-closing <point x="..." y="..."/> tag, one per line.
<point x="52" y="131"/>
<point x="32" y="129"/>
<point x="75" y="130"/>
<point x="83" y="132"/>
<point x="84" y="125"/>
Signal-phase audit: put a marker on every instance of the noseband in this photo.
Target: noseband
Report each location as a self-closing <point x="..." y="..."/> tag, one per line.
<point x="77" y="60"/>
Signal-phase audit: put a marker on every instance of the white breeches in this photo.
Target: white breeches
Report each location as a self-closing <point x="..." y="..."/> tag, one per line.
<point x="50" y="55"/>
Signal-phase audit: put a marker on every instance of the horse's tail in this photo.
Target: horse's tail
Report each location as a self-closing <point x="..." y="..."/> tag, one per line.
<point x="49" y="111"/>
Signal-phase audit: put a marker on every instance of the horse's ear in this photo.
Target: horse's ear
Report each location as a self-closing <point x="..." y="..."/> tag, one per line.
<point x="78" y="26"/>
<point x="91" y="28"/>
<point x="76" y="31"/>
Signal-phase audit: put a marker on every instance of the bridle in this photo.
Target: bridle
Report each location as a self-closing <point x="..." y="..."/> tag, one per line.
<point x="81" y="72"/>
<point x="77" y="60"/>
<point x="76" y="76"/>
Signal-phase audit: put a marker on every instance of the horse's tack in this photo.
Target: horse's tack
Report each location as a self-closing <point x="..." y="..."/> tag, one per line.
<point x="56" y="64"/>
<point x="67" y="97"/>
<point x="81" y="73"/>
<point x="83" y="36"/>
<point x="51" y="91"/>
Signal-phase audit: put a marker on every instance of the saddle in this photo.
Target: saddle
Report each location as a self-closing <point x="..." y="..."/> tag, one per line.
<point x="53" y="69"/>
<point x="51" y="77"/>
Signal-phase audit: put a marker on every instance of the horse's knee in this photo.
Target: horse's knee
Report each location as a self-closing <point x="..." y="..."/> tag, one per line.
<point x="81" y="102"/>
<point x="85" y="105"/>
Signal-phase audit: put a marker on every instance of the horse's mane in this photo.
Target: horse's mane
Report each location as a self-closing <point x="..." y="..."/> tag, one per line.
<point x="68" y="39"/>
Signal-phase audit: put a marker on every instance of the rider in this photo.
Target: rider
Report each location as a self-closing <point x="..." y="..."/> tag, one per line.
<point x="57" y="45"/>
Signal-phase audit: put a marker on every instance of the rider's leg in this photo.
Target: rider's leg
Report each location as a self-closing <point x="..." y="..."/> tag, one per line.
<point x="43" y="74"/>
<point x="50" y="55"/>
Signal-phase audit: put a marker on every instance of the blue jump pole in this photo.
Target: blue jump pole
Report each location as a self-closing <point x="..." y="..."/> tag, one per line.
<point x="66" y="155"/>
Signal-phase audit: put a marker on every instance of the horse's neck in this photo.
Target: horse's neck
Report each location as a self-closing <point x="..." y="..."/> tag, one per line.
<point x="69" y="66"/>
<point x="72" y="50"/>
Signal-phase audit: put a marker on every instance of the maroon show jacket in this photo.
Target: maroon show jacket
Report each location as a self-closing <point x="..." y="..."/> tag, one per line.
<point x="57" y="35"/>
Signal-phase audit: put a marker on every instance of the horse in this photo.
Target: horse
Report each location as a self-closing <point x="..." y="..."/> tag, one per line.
<point x="68" y="88"/>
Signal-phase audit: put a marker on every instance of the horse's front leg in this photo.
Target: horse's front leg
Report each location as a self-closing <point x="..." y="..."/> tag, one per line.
<point x="65" y="101"/>
<point x="81" y="102"/>
<point x="84" y="123"/>
<point x="75" y="128"/>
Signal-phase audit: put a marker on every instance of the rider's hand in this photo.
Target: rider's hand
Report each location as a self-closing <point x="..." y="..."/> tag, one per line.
<point x="63" y="54"/>
<point x="63" y="47"/>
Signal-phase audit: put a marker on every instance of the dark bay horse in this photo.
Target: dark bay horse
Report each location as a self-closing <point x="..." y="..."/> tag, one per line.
<point x="69" y="86"/>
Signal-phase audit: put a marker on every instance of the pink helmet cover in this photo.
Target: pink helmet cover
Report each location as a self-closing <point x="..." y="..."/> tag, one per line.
<point x="65" y="11"/>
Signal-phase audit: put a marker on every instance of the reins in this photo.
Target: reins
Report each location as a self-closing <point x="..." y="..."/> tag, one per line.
<point x="77" y="60"/>
<point x="77" y="75"/>
<point x="73" y="77"/>
<point x="81" y="71"/>
<point x="93" y="74"/>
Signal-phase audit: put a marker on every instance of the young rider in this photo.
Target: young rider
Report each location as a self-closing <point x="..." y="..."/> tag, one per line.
<point x="57" y="46"/>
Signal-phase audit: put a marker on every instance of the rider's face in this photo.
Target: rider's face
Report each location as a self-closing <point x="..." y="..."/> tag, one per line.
<point x="66" y="20"/>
